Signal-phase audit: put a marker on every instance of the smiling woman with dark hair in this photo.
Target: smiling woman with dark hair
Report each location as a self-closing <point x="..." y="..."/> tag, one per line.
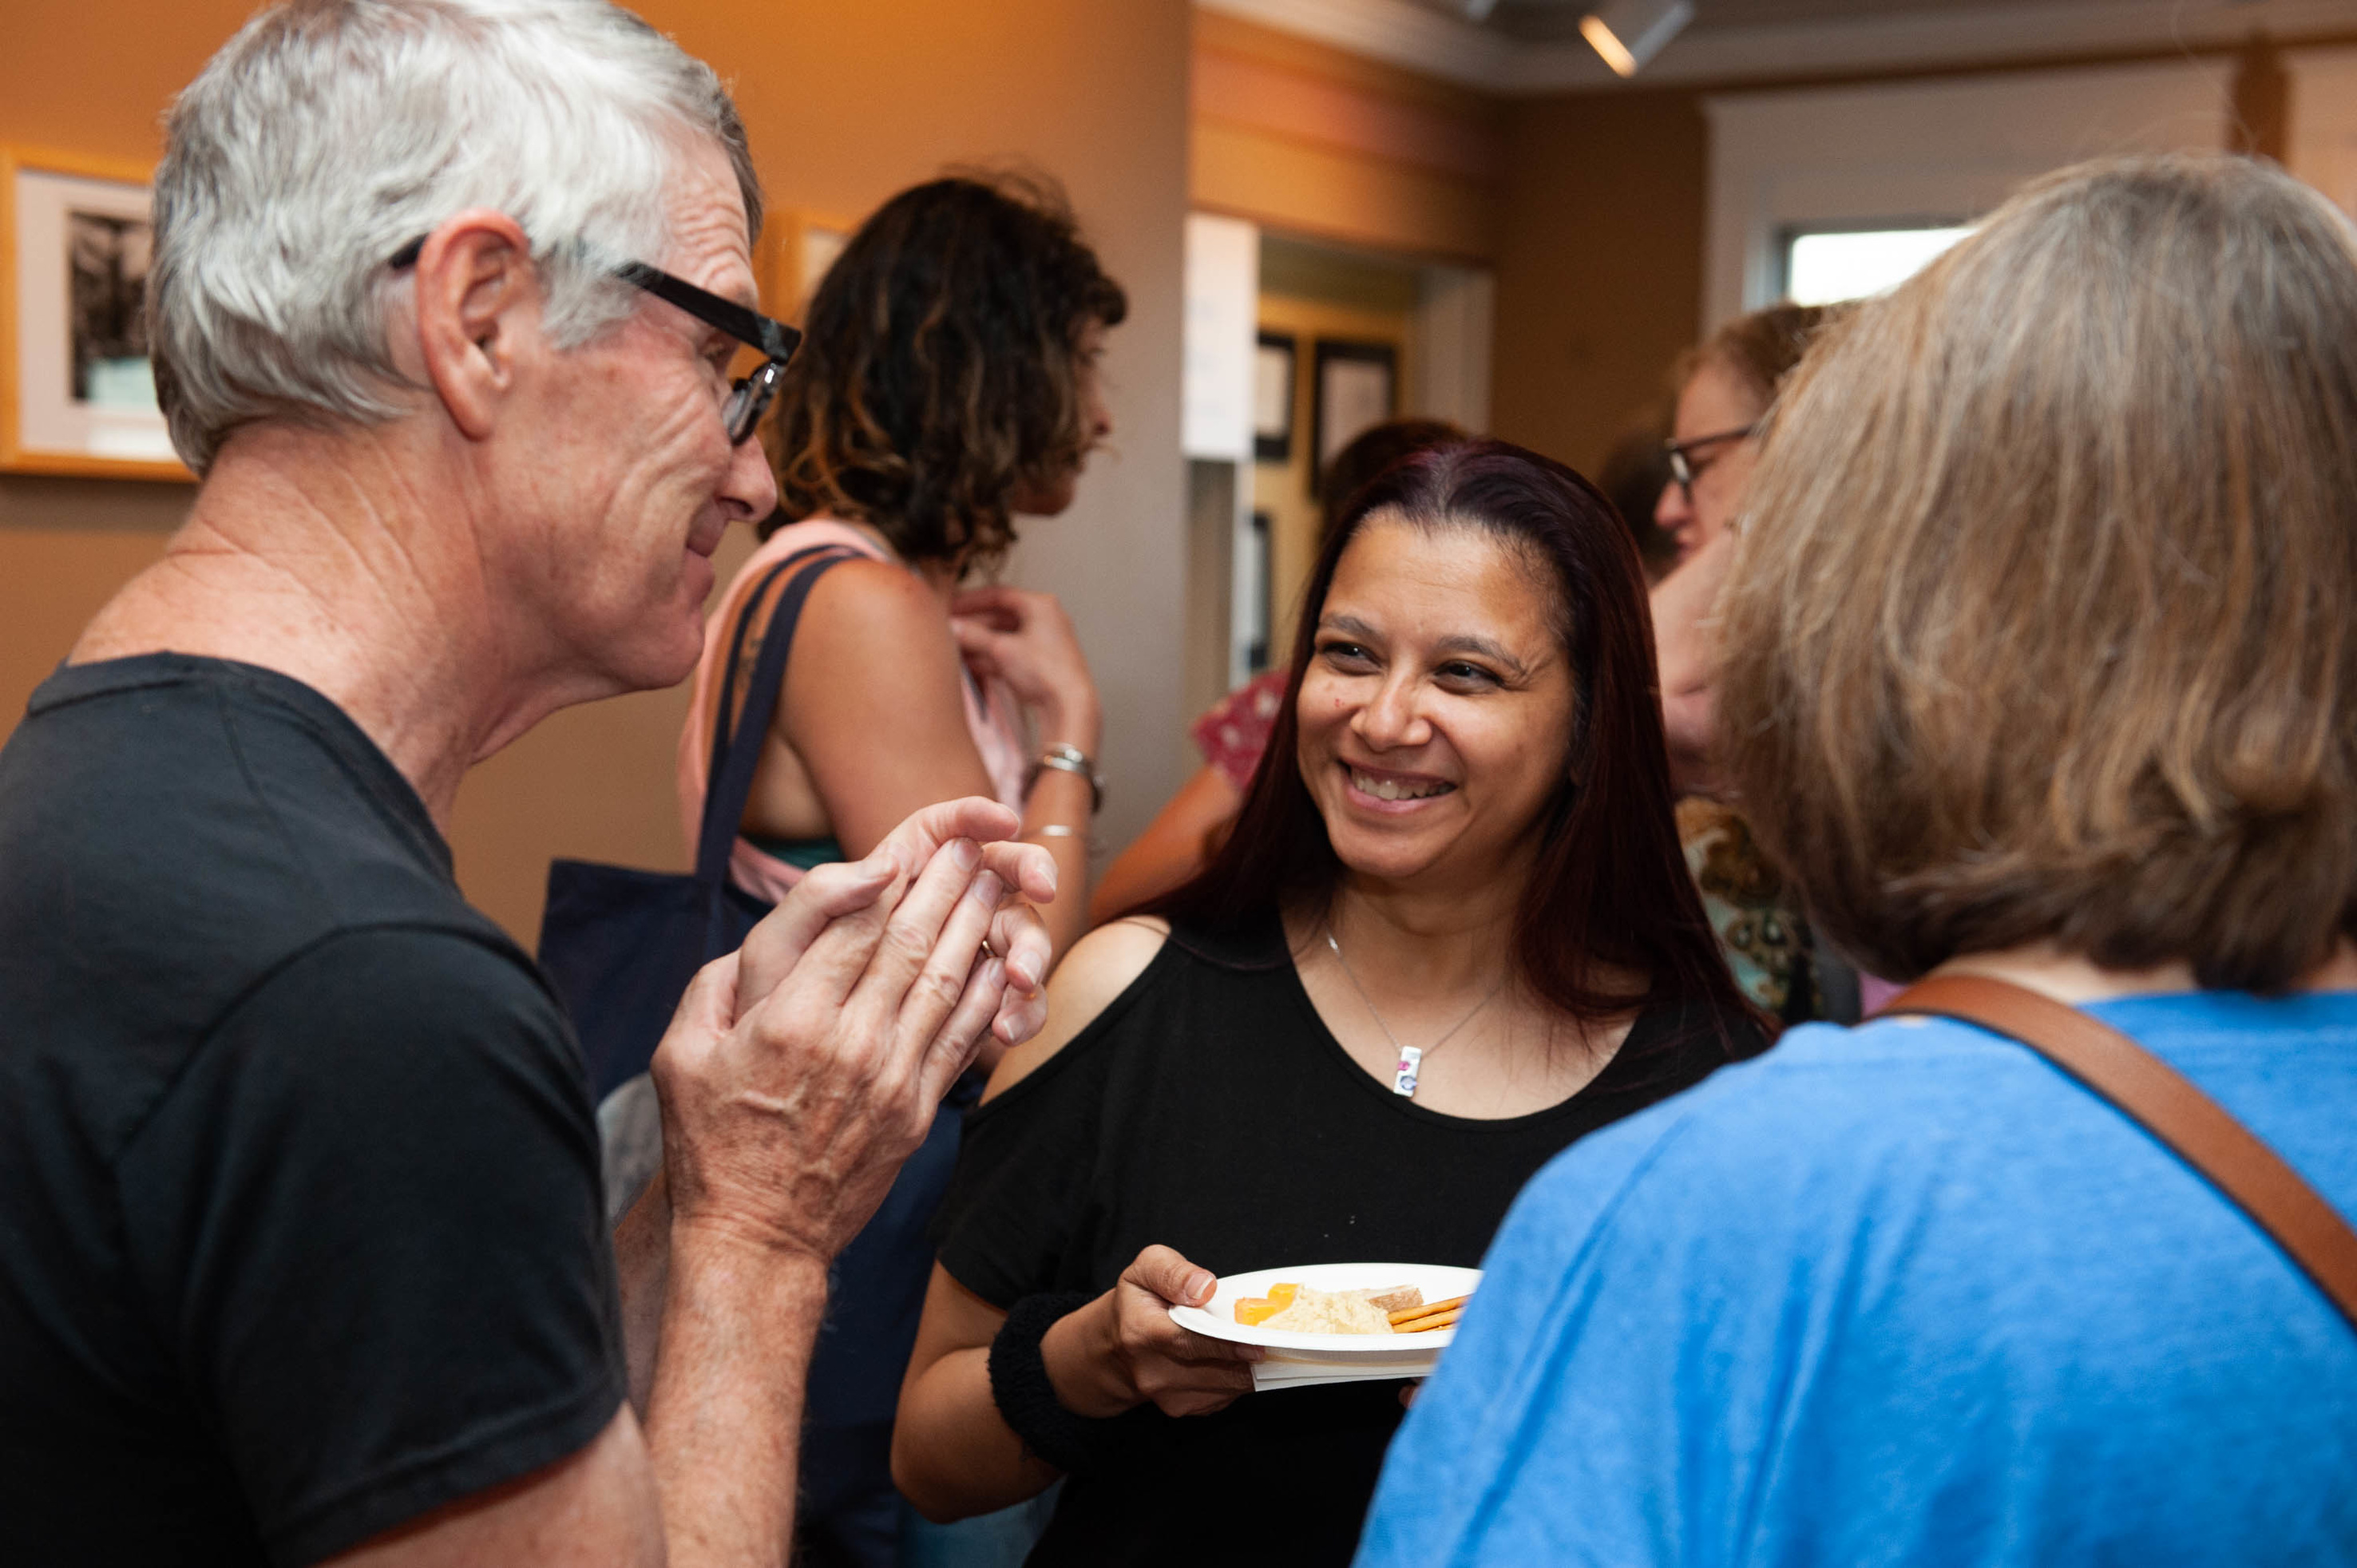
<point x="1451" y="933"/>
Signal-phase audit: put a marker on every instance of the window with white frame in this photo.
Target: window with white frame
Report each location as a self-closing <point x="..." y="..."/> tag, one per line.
<point x="1826" y="266"/>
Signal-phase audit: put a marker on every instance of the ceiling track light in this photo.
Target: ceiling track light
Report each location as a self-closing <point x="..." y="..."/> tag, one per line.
<point x="1628" y="33"/>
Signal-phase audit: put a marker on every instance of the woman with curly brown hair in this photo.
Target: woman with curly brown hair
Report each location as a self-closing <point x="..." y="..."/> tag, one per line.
<point x="947" y="381"/>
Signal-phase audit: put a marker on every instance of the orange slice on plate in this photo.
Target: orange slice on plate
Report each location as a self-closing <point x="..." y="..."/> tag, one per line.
<point x="1254" y="1309"/>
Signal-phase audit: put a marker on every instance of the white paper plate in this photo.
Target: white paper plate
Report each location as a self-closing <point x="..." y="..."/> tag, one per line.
<point x="1438" y="1282"/>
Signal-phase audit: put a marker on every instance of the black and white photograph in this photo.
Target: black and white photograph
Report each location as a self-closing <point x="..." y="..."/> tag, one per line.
<point x="77" y="394"/>
<point x="108" y="258"/>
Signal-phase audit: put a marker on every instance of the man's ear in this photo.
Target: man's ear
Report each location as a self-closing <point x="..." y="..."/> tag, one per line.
<point x="478" y="304"/>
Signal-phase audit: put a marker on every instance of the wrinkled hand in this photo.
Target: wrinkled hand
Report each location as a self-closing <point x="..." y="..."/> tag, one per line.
<point x="1122" y="1350"/>
<point x="786" y="1112"/>
<point x="1026" y="640"/>
<point x="831" y="893"/>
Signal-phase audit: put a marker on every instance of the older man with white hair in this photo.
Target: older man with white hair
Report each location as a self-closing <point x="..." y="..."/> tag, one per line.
<point x="300" y="1244"/>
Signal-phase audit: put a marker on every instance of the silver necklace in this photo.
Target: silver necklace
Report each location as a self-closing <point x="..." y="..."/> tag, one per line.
<point x="1410" y="1058"/>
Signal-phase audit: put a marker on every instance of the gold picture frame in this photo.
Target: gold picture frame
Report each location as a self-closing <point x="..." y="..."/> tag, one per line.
<point x="76" y="396"/>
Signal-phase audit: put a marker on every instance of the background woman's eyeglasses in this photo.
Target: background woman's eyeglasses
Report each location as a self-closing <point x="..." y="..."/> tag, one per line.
<point x="1685" y="470"/>
<point x="749" y="397"/>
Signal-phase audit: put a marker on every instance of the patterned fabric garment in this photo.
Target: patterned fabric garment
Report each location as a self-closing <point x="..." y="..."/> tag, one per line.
<point x="990" y="709"/>
<point x="1235" y="731"/>
<point x="1765" y="941"/>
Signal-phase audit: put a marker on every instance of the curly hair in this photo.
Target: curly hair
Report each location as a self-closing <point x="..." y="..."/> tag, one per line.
<point x="940" y="373"/>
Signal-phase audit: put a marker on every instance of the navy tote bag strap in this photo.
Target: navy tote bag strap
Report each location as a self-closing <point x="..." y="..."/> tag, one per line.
<point x="737" y="738"/>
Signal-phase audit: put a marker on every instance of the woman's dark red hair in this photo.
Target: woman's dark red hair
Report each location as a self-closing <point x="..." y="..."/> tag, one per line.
<point x="1610" y="894"/>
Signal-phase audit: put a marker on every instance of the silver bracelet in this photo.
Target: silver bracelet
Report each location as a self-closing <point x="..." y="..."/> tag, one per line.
<point x="1057" y="831"/>
<point x="1069" y="759"/>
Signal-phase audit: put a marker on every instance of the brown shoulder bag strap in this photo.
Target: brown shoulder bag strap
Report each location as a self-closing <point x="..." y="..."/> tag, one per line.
<point x="2147" y="1091"/>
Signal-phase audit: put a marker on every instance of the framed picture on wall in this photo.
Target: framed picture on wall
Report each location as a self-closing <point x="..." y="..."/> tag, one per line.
<point x="1255" y="607"/>
<point x="77" y="390"/>
<point x="1272" y="399"/>
<point x="1356" y="387"/>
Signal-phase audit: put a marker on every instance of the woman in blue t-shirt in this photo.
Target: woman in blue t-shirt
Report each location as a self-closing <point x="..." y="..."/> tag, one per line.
<point x="2040" y="653"/>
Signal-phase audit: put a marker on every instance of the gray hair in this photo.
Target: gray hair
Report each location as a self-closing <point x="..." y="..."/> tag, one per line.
<point x="328" y="133"/>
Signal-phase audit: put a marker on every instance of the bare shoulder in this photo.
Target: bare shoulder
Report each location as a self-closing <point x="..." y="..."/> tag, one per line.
<point x="873" y="651"/>
<point x="876" y="603"/>
<point x="1100" y="966"/>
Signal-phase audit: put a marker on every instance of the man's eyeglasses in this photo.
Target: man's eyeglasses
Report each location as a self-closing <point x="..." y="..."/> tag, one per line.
<point x="1685" y="470"/>
<point x="749" y="397"/>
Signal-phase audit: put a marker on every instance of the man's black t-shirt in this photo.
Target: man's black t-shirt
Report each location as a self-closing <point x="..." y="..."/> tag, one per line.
<point x="300" y="1224"/>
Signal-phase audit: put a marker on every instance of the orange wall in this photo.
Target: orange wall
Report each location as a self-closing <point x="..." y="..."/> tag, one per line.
<point x="91" y="79"/>
<point x="845" y="104"/>
<point x="1600" y="270"/>
<point x="1308" y="139"/>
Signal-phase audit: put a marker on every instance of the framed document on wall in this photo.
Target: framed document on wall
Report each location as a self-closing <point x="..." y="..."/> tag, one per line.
<point x="1273" y="373"/>
<point x="77" y="390"/>
<point x="1357" y="387"/>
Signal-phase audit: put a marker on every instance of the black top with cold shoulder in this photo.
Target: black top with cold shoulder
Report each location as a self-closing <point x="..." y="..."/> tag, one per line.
<point x="1209" y="1108"/>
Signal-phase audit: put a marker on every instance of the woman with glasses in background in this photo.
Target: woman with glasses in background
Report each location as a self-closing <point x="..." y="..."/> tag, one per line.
<point x="1726" y="386"/>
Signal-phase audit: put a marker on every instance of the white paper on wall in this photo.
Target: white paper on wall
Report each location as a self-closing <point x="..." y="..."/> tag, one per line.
<point x="1223" y="308"/>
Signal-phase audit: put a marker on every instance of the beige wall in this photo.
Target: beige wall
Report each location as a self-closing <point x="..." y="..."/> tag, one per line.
<point x="845" y="104"/>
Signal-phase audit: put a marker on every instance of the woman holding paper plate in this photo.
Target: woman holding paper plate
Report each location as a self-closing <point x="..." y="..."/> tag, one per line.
<point x="1454" y="938"/>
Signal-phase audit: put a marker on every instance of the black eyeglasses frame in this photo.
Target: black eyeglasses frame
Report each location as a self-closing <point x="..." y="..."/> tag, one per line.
<point x="749" y="396"/>
<point x="1685" y="471"/>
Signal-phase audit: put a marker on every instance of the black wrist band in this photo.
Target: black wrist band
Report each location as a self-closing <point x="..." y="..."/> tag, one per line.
<point x="1019" y="1386"/>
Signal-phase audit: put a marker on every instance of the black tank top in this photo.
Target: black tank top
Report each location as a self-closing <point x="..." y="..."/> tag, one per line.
<point x="1209" y="1108"/>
